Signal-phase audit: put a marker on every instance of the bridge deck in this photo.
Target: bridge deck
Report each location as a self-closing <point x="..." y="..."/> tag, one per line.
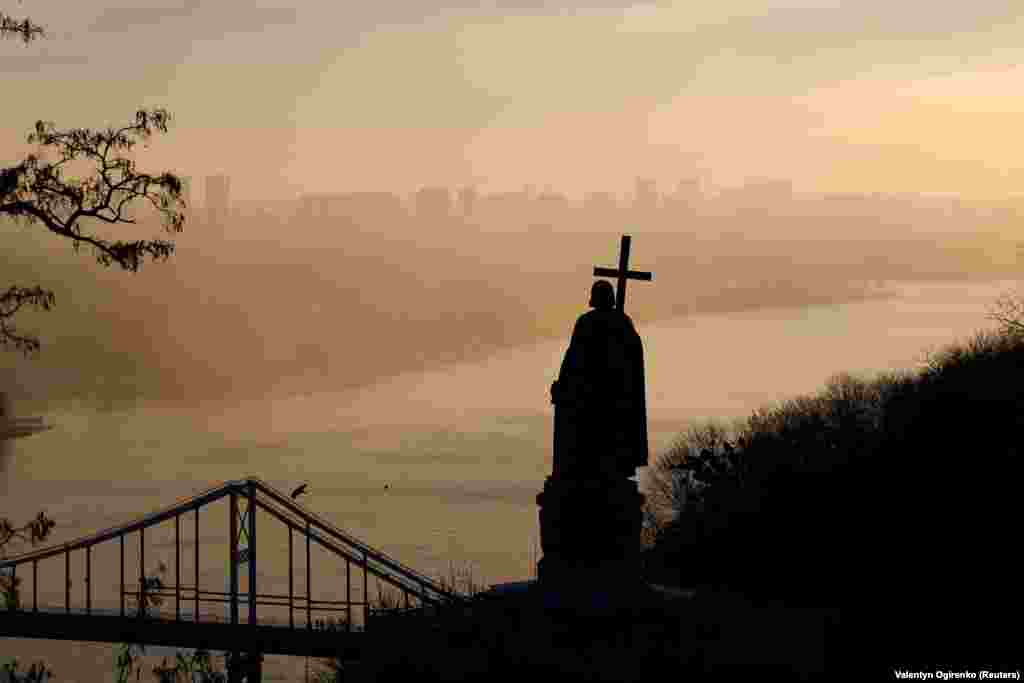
<point x="104" y="628"/>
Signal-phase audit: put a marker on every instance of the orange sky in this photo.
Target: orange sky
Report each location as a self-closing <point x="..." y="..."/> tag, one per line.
<point x="866" y="95"/>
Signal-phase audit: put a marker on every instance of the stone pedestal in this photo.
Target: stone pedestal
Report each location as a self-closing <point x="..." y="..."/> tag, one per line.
<point x="590" y="533"/>
<point x="591" y="616"/>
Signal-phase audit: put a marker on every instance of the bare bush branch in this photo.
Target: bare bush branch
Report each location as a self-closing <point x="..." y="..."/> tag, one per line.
<point x="1008" y="311"/>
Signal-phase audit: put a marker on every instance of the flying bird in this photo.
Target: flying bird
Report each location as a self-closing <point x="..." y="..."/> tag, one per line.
<point x="299" y="491"/>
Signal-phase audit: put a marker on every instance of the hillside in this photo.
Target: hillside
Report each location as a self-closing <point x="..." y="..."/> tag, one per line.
<point x="891" y="499"/>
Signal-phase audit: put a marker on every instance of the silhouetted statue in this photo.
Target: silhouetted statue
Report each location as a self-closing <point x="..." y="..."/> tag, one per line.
<point x="599" y="396"/>
<point x="591" y="512"/>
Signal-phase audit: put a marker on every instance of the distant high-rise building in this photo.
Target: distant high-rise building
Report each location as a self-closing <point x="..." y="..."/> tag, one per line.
<point x="688" y="190"/>
<point x="600" y="201"/>
<point x="504" y="210"/>
<point x="468" y="197"/>
<point x="765" y="193"/>
<point x="645" y="197"/>
<point x="552" y="197"/>
<point x="361" y="209"/>
<point x="551" y="210"/>
<point x="433" y="203"/>
<point x="600" y="211"/>
<point x="218" y="194"/>
<point x="686" y="197"/>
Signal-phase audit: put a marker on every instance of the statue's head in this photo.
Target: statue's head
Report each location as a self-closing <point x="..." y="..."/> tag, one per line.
<point x="602" y="295"/>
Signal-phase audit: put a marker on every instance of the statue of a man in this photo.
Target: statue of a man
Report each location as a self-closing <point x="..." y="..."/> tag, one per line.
<point x="600" y="410"/>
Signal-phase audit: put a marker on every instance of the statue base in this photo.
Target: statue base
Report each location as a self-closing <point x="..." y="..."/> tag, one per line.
<point x="590" y="534"/>
<point x="590" y="614"/>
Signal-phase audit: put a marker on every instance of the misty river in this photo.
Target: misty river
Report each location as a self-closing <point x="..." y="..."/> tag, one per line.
<point x="463" y="451"/>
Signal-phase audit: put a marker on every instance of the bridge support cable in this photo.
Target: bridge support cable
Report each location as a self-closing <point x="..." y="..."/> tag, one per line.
<point x="233" y="557"/>
<point x="122" y="574"/>
<point x="242" y="532"/>
<point x="385" y="567"/>
<point x="233" y="570"/>
<point x="67" y="581"/>
<point x="177" y="567"/>
<point x="88" y="579"/>
<point x="309" y="597"/>
<point x="389" y="565"/>
<point x="196" y="615"/>
<point x="251" y="511"/>
<point x="429" y="593"/>
<point x="142" y="570"/>
<point x="291" y="581"/>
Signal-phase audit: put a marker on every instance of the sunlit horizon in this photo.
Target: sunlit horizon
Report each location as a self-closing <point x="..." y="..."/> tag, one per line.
<point x="852" y="97"/>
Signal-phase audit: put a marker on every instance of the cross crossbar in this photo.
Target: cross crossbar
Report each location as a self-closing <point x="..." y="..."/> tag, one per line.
<point x="622" y="273"/>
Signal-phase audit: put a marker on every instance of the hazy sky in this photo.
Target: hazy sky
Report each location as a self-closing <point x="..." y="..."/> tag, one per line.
<point x="911" y="95"/>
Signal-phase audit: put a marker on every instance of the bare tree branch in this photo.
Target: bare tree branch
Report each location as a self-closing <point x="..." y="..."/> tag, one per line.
<point x="11" y="302"/>
<point x="36" y="191"/>
<point x="34" y="532"/>
<point x="24" y="29"/>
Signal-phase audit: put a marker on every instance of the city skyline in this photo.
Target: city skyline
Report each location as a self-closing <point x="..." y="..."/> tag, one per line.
<point x="691" y="187"/>
<point x="765" y="209"/>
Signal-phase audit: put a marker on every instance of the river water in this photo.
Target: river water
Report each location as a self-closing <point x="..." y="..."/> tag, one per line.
<point x="441" y="468"/>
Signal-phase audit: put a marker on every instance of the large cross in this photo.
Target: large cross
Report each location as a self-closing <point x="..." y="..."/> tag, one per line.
<point x="623" y="273"/>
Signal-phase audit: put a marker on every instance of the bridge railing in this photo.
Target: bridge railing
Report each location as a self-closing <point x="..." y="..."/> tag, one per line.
<point x="187" y="615"/>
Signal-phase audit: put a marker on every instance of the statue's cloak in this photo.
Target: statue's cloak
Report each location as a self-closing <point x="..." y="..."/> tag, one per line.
<point x="600" y="395"/>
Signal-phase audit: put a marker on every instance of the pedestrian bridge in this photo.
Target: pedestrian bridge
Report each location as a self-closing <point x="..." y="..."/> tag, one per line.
<point x="74" y="590"/>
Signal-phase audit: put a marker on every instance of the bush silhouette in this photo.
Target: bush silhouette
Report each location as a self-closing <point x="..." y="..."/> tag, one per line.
<point x="889" y="496"/>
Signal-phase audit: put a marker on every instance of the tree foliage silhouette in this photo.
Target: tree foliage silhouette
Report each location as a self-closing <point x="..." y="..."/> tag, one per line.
<point x="36" y="191"/>
<point x="24" y="29"/>
<point x="35" y="532"/>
